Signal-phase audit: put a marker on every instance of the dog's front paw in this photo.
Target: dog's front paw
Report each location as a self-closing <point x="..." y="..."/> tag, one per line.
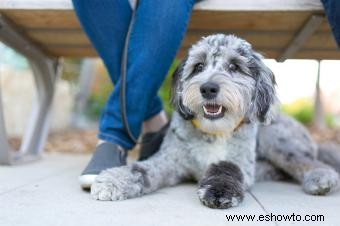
<point x="320" y="181"/>
<point x="118" y="183"/>
<point x="219" y="195"/>
<point x="106" y="192"/>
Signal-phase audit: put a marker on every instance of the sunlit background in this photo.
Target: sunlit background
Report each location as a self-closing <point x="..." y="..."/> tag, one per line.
<point x="296" y="85"/>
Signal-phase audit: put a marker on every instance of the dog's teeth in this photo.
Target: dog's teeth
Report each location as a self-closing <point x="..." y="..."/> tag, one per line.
<point x="219" y="110"/>
<point x="213" y="113"/>
<point x="205" y="110"/>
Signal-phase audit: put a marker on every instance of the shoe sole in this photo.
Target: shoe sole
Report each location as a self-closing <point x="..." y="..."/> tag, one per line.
<point x="87" y="180"/>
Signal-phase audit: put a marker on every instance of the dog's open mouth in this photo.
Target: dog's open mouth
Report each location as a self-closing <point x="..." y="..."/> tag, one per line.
<point x="213" y="111"/>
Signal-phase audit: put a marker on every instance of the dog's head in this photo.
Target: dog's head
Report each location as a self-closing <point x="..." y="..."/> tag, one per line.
<point x="222" y="82"/>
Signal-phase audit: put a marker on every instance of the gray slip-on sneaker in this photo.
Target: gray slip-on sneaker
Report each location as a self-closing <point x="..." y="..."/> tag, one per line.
<point x="107" y="155"/>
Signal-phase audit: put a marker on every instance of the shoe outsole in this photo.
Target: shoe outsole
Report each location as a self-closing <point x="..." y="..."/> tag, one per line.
<point x="87" y="180"/>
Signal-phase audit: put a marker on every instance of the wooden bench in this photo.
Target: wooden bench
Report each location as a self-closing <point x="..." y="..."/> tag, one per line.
<point x="47" y="30"/>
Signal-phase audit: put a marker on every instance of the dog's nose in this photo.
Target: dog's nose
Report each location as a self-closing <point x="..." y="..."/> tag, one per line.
<point x="209" y="90"/>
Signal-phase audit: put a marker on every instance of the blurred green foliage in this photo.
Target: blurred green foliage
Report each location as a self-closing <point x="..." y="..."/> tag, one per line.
<point x="97" y="100"/>
<point x="100" y="92"/>
<point x="303" y="111"/>
<point x="164" y="91"/>
<point x="70" y="72"/>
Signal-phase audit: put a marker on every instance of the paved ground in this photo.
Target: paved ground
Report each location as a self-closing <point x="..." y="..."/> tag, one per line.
<point x="47" y="193"/>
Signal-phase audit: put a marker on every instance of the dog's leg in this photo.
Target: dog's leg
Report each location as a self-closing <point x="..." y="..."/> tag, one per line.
<point x="222" y="186"/>
<point x="265" y="171"/>
<point x="316" y="177"/>
<point x="140" y="178"/>
<point x="287" y="145"/>
<point x="330" y="154"/>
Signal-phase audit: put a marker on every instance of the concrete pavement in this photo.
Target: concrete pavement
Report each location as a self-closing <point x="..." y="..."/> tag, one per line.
<point x="46" y="193"/>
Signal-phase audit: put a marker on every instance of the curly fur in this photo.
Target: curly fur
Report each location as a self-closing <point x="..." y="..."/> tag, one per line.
<point x="221" y="152"/>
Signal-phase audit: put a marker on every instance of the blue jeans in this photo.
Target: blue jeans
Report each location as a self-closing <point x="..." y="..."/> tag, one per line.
<point x="155" y="37"/>
<point x="332" y="10"/>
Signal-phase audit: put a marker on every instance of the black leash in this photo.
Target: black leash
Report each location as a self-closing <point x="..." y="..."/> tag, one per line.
<point x="123" y="78"/>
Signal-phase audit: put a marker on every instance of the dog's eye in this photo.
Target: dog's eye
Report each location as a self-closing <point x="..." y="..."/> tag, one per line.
<point x="198" y="68"/>
<point x="232" y="67"/>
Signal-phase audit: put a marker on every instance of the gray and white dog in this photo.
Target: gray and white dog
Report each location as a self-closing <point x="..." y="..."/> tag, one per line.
<point x="224" y="133"/>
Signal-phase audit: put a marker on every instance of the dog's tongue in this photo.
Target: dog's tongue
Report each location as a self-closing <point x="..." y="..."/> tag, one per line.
<point x="212" y="108"/>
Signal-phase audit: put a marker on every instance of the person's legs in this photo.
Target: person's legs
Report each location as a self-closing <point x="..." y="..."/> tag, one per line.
<point x="156" y="35"/>
<point x="106" y="23"/>
<point x="150" y="54"/>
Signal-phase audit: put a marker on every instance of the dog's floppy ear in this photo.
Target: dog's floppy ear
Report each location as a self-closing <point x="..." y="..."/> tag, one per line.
<point x="175" y="93"/>
<point x="264" y="98"/>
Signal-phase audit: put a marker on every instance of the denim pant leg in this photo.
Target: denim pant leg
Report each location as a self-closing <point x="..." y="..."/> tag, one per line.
<point x="332" y="9"/>
<point x="106" y="23"/>
<point x="156" y="35"/>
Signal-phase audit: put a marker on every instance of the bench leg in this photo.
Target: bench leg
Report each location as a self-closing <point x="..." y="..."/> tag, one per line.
<point x="86" y="77"/>
<point x="46" y="71"/>
<point x="5" y="152"/>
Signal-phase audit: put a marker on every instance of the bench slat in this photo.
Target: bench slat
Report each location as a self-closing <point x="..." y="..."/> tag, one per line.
<point x="222" y="5"/>
<point x="58" y="31"/>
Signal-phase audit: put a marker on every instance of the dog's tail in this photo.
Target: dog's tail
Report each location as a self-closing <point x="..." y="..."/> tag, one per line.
<point x="329" y="153"/>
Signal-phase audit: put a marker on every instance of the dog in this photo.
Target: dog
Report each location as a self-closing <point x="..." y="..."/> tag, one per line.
<point x="225" y="133"/>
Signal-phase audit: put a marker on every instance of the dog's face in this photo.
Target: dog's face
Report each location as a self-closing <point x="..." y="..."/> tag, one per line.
<point x="223" y="82"/>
